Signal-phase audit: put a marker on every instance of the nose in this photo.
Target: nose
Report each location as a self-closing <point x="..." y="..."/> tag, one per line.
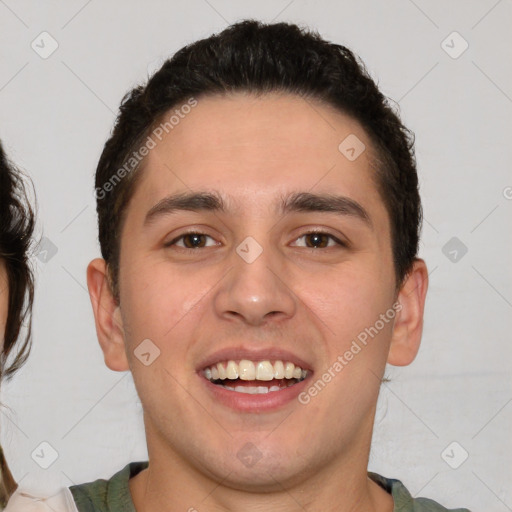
<point x="256" y="291"/>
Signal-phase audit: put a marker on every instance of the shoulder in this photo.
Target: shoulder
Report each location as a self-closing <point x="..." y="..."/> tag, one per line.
<point x="97" y="496"/>
<point x="23" y="501"/>
<point x="111" y="494"/>
<point x="404" y="502"/>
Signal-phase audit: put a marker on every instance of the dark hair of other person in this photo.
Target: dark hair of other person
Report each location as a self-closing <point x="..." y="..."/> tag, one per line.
<point x="16" y="230"/>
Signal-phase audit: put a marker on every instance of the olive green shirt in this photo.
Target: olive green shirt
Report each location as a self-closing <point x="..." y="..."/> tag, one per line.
<point x="114" y="495"/>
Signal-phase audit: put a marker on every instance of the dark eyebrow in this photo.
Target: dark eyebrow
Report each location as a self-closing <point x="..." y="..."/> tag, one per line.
<point x="193" y="201"/>
<point x="308" y="202"/>
<point x="295" y="202"/>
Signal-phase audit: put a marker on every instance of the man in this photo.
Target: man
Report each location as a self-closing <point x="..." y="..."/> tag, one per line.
<point x="259" y="220"/>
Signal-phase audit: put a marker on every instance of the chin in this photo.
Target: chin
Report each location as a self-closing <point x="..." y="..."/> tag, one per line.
<point x="259" y="468"/>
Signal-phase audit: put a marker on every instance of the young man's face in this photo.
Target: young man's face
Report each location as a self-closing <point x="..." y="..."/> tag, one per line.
<point x="224" y="300"/>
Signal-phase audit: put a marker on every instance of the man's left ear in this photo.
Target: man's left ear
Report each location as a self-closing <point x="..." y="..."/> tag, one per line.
<point x="408" y="326"/>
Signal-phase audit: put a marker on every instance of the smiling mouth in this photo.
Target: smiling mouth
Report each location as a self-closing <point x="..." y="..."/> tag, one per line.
<point x="255" y="377"/>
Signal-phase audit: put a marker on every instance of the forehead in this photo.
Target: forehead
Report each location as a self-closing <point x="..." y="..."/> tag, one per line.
<point x="254" y="148"/>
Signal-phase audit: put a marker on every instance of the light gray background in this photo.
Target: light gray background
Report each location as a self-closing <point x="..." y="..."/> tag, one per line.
<point x="55" y="115"/>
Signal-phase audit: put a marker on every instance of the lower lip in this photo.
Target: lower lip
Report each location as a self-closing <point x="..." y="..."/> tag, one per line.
<point x="261" y="402"/>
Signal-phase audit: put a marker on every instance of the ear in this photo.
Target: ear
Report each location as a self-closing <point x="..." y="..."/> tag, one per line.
<point x="107" y="316"/>
<point x="408" y="326"/>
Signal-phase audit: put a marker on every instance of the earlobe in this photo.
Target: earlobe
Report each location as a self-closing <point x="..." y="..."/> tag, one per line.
<point x="408" y="326"/>
<point x="109" y="325"/>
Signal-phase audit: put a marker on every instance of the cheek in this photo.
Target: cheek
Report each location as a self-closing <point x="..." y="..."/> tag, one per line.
<point x="349" y="304"/>
<point x="157" y="299"/>
<point x="157" y="305"/>
<point x="348" y="300"/>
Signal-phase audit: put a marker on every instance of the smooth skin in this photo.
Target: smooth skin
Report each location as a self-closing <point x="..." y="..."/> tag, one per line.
<point x="312" y="301"/>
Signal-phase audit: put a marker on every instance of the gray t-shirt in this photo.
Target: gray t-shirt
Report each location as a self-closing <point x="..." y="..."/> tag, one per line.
<point x="113" y="495"/>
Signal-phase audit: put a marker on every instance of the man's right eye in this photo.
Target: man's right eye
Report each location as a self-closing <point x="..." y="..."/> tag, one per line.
<point x="190" y="241"/>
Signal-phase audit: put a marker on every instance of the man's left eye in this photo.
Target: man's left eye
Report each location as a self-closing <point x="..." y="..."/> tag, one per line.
<point x="320" y="240"/>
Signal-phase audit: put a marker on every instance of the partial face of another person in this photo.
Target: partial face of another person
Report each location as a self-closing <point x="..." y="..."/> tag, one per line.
<point x="258" y="282"/>
<point x="4" y="301"/>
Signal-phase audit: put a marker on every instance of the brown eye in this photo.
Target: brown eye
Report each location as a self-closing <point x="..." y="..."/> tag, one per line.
<point x="190" y="241"/>
<point x="193" y="240"/>
<point x="319" y="240"/>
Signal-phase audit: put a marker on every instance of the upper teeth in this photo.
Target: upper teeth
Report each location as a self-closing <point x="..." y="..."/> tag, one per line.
<point x="258" y="370"/>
